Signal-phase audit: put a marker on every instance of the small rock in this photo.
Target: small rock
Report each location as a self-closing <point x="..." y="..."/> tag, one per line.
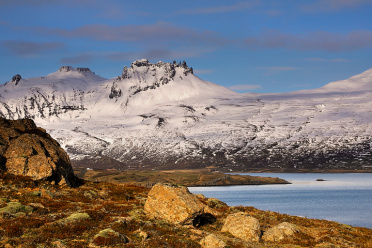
<point x="242" y="226"/>
<point x="280" y="232"/>
<point x="109" y="237"/>
<point x="58" y="244"/>
<point x="215" y="203"/>
<point x="142" y="234"/>
<point x="36" y="205"/>
<point x="326" y="245"/>
<point x="200" y="196"/>
<point x="75" y="217"/>
<point x="35" y="193"/>
<point x="212" y="241"/>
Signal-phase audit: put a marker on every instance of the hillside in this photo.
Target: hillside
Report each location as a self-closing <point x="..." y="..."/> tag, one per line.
<point x="162" y="116"/>
<point x="39" y="214"/>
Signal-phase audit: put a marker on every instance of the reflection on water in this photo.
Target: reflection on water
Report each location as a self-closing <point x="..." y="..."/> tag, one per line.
<point x="345" y="198"/>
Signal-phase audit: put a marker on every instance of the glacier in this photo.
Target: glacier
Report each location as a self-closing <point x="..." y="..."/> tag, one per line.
<point x="161" y="115"/>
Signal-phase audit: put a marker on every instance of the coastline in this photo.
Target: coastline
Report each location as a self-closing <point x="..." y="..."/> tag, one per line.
<point x="189" y="178"/>
<point x="300" y="171"/>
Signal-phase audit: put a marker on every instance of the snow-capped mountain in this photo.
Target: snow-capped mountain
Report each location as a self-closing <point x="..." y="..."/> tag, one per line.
<point x="161" y="115"/>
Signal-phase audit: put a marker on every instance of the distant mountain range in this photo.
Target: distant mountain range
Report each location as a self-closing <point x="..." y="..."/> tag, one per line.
<point x="162" y="116"/>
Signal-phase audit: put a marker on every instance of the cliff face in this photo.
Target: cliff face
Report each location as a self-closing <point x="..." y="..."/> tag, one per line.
<point x="28" y="150"/>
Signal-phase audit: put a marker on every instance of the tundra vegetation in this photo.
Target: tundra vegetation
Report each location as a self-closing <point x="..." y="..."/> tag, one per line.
<point x="38" y="213"/>
<point x="196" y="177"/>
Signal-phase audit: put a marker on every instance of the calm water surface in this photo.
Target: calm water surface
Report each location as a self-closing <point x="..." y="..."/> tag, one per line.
<point x="345" y="198"/>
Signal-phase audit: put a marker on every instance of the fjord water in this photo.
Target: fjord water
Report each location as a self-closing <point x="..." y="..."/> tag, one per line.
<point x="345" y="198"/>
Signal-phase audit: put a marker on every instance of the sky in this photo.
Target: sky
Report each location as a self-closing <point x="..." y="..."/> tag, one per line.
<point x="262" y="46"/>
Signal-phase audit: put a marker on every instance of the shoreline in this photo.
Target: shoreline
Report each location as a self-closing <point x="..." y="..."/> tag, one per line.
<point x="189" y="178"/>
<point x="323" y="171"/>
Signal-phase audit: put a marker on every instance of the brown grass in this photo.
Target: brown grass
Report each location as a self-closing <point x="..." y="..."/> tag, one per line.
<point x="120" y="207"/>
<point x="201" y="177"/>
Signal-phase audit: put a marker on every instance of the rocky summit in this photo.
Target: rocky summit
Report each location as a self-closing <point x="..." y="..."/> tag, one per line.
<point x="161" y="115"/>
<point x="28" y="150"/>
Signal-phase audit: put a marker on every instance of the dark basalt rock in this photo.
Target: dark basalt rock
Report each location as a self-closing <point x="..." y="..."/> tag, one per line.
<point x="16" y="79"/>
<point x="65" y="68"/>
<point x="84" y="70"/>
<point x="139" y="63"/>
<point x="115" y="91"/>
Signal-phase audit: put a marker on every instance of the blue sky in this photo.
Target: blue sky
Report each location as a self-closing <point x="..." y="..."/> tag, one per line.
<point x="249" y="46"/>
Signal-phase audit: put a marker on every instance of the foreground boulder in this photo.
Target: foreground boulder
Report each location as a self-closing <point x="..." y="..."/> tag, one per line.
<point x="177" y="205"/>
<point x="280" y="231"/>
<point x="27" y="150"/>
<point x="242" y="226"/>
<point x="212" y="241"/>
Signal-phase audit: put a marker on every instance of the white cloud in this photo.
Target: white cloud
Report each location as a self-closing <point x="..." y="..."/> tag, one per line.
<point x="327" y="60"/>
<point x="158" y="34"/>
<point x="78" y="59"/>
<point x="29" y="48"/>
<point x="278" y="68"/>
<point x="333" y="5"/>
<point x="222" y="8"/>
<point x="315" y="41"/>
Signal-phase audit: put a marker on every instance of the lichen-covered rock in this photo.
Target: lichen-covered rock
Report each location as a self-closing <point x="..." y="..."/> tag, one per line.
<point x="242" y="226"/>
<point x="15" y="207"/>
<point x="75" y="217"/>
<point x="280" y="231"/>
<point x="212" y="241"/>
<point x="28" y="150"/>
<point x="177" y="205"/>
<point x="109" y="237"/>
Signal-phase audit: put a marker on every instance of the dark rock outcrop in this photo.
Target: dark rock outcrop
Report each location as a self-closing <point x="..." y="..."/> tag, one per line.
<point x="16" y="79"/>
<point x="28" y="150"/>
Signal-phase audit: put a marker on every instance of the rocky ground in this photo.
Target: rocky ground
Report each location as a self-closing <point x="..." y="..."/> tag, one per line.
<point x="42" y="214"/>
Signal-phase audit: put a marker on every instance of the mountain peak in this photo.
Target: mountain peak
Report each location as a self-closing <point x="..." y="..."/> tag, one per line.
<point x="143" y="66"/>
<point x="141" y="62"/>
<point x="79" y="69"/>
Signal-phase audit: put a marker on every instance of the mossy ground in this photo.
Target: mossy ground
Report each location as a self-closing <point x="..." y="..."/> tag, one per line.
<point x="119" y="208"/>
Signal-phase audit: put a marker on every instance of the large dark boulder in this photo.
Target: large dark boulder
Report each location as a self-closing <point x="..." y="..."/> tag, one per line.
<point x="28" y="150"/>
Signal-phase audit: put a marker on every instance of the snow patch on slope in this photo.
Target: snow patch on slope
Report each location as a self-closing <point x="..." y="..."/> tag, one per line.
<point x="161" y="114"/>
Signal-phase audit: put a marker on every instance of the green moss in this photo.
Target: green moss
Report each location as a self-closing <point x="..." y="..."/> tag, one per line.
<point x="3" y="199"/>
<point x="106" y="233"/>
<point x="35" y="193"/>
<point x="75" y="217"/>
<point x="15" y="207"/>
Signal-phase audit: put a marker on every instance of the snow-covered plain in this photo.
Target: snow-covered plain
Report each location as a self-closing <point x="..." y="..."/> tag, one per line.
<point x="161" y="115"/>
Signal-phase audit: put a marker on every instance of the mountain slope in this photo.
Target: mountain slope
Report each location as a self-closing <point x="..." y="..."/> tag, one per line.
<point x="161" y="115"/>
